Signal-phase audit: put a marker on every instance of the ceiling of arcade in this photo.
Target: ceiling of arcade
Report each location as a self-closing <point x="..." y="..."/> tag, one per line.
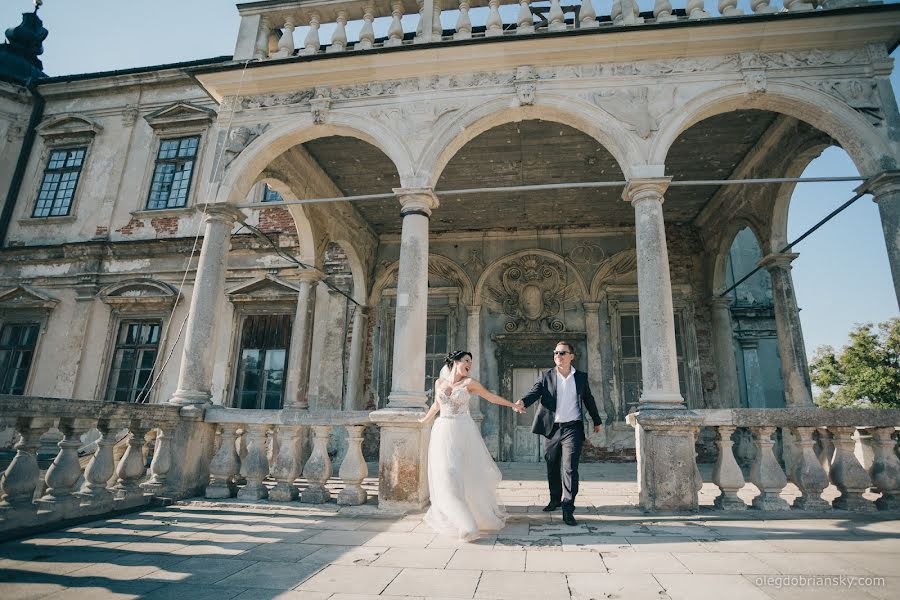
<point x="541" y="152"/>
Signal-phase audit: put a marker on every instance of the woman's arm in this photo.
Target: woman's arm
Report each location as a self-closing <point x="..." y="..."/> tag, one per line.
<point x="431" y="412"/>
<point x="475" y="387"/>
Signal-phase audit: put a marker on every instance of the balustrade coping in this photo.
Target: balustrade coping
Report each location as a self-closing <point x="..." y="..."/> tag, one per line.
<point x="286" y="416"/>
<point x="15" y="407"/>
<point x="800" y="417"/>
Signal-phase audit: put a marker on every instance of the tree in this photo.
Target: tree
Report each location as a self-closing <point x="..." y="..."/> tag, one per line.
<point x="866" y="373"/>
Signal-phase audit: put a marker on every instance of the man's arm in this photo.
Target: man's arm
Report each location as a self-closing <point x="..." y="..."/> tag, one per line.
<point x="588" y="399"/>
<point x="535" y="394"/>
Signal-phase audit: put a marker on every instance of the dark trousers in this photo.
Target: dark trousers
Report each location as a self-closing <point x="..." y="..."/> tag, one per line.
<point x="562" y="449"/>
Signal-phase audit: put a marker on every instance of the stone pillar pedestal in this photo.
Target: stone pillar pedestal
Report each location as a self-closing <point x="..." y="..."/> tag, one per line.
<point x="195" y="377"/>
<point x="886" y="189"/>
<point x="723" y="344"/>
<point x="668" y="479"/>
<point x="402" y="460"/>
<point x="659" y="358"/>
<point x="300" y="352"/>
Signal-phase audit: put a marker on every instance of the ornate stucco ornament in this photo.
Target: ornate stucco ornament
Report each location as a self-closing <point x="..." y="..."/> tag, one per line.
<point x="525" y="86"/>
<point x="532" y="290"/>
<point x="238" y="139"/>
<point x="859" y="94"/>
<point x="319" y="105"/>
<point x="639" y="108"/>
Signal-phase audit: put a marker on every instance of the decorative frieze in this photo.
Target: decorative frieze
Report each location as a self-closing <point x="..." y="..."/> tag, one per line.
<point x="531" y="291"/>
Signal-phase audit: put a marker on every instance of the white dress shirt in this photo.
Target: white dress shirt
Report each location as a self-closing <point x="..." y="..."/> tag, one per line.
<point x="567" y="408"/>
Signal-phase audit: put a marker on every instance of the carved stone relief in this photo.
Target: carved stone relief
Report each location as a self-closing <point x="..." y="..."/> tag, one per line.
<point x="638" y="108"/>
<point x="415" y="121"/>
<point x="858" y="94"/>
<point x="586" y="253"/>
<point x="238" y="139"/>
<point x="474" y="262"/>
<point x="531" y="291"/>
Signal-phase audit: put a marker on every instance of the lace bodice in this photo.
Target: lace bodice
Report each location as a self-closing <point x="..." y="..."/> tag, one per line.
<point x="457" y="403"/>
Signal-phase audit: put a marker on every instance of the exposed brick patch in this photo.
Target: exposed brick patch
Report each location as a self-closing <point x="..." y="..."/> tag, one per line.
<point x="131" y="226"/>
<point x="166" y="225"/>
<point x="276" y="219"/>
<point x="101" y="231"/>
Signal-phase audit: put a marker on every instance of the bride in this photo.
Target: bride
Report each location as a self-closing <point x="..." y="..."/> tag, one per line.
<point x="462" y="476"/>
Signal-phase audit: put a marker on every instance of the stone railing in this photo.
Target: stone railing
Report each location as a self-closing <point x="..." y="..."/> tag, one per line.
<point x="271" y="30"/>
<point x="67" y="492"/>
<point x="255" y="445"/>
<point x="854" y="449"/>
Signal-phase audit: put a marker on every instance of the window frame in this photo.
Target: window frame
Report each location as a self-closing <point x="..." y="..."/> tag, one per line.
<point x="26" y="319"/>
<point x="62" y="171"/>
<point x="22" y="304"/>
<point x="242" y="314"/>
<point x="157" y="161"/>
<point x="120" y="323"/>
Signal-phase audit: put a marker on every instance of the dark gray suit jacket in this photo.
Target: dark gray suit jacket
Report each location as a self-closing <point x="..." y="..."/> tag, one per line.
<point x="545" y="391"/>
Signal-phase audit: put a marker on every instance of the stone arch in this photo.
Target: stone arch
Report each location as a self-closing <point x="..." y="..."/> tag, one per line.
<point x="437" y="264"/>
<point x="496" y="264"/>
<point x="306" y="233"/>
<point x="849" y="128"/>
<point x="245" y="169"/>
<point x="620" y="267"/>
<point x="579" y="115"/>
<point x="357" y="270"/>
<point x="723" y="248"/>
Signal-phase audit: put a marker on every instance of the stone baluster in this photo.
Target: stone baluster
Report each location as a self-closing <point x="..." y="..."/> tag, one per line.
<point x="261" y="51"/>
<point x="556" y="19"/>
<point x="631" y="13"/>
<point x="824" y="448"/>
<point x="726" y="473"/>
<point x="885" y="471"/>
<point x="65" y="471"/>
<point x="317" y="469"/>
<point x="225" y="465"/>
<point x="494" y="23"/>
<point x="695" y="9"/>
<point x="615" y="13"/>
<point x="846" y="472"/>
<point x="463" y="22"/>
<point x="94" y="491"/>
<point x="395" y="31"/>
<point x="766" y="473"/>
<point x="662" y="11"/>
<point x="286" y="45"/>
<point x="797" y="5"/>
<point x="286" y="468"/>
<point x="311" y="43"/>
<point x="255" y="467"/>
<point x="339" y="35"/>
<point x="437" y="30"/>
<point x="23" y="476"/>
<point x="367" y="33"/>
<point x="132" y="467"/>
<point x="420" y="24"/>
<point x="524" y="19"/>
<point x="808" y="474"/>
<point x="761" y="7"/>
<point x="728" y="8"/>
<point x="588" y="15"/>
<point x="353" y="469"/>
<point x="162" y="461"/>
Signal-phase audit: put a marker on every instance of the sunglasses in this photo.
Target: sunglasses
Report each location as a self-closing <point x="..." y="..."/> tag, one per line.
<point x="561" y="352"/>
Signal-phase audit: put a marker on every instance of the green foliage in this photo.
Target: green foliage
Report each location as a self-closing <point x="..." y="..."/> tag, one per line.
<point x="866" y="373"/>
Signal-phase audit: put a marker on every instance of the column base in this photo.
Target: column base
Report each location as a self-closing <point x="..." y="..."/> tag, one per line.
<point x="661" y="401"/>
<point x="667" y="468"/>
<point x="253" y="491"/>
<point x="729" y="502"/>
<point x="316" y="493"/>
<point x="853" y="501"/>
<point x="190" y="397"/>
<point x="812" y="504"/>
<point x="352" y="495"/>
<point x="219" y="490"/>
<point x="770" y="501"/>
<point x="402" y="458"/>
<point x="407" y="400"/>
<point x="284" y="492"/>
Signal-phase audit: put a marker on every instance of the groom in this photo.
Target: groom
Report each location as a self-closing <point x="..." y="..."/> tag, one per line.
<point x="562" y="391"/>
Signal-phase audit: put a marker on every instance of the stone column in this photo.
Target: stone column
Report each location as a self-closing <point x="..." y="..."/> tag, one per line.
<point x="331" y="360"/>
<point x="300" y="352"/>
<point x="402" y="478"/>
<point x="594" y="363"/>
<point x="723" y="345"/>
<point x="473" y="344"/>
<point x="354" y="399"/>
<point x="794" y="367"/>
<point x="886" y="189"/>
<point x="195" y="377"/>
<point x="659" y="359"/>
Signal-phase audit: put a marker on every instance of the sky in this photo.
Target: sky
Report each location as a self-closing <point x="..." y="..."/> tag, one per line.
<point x="841" y="278"/>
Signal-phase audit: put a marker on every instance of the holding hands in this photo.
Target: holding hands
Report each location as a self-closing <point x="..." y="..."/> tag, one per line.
<point x="518" y="406"/>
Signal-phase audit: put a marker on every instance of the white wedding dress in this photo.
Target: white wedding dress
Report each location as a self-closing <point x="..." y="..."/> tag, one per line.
<point x="462" y="476"/>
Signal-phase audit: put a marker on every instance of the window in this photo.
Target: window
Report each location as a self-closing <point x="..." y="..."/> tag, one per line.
<point x="270" y="195"/>
<point x="17" y="343"/>
<point x="263" y="357"/>
<point x="630" y="348"/>
<point x="436" y="348"/>
<point x="135" y="354"/>
<point x="172" y="175"/>
<point x="58" y="186"/>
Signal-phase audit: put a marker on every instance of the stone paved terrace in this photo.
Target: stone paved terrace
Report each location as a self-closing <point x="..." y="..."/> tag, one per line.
<point x="223" y="550"/>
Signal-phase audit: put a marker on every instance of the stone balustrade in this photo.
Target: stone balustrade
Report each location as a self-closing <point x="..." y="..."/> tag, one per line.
<point x="853" y="449"/>
<point x="273" y="30"/>
<point x="259" y="445"/>
<point x="67" y="492"/>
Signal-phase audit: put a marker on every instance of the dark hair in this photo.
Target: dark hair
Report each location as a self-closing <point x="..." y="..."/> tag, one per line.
<point x="454" y="356"/>
<point x="567" y="344"/>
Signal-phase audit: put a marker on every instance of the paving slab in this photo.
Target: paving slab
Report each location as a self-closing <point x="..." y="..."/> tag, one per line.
<point x="264" y="594"/>
<point x="199" y="570"/>
<point x="350" y="579"/>
<point x="496" y="560"/>
<point x="504" y="585"/>
<point x="558" y="561"/>
<point x="709" y="587"/>
<point x="727" y="563"/>
<point x="271" y="575"/>
<point x="591" y="586"/>
<point x="425" y="558"/>
<point x="642" y="562"/>
<point x="434" y="582"/>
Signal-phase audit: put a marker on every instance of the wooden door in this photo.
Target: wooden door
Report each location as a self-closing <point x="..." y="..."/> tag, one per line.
<point x="526" y="445"/>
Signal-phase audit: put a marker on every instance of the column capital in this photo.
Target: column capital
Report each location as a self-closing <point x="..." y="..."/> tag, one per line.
<point x="646" y="188"/>
<point x="773" y="261"/>
<point x="886" y="182"/>
<point x="718" y="301"/>
<point x="591" y="307"/>
<point x="221" y="212"/>
<point x="308" y="276"/>
<point x="473" y="309"/>
<point x="416" y="201"/>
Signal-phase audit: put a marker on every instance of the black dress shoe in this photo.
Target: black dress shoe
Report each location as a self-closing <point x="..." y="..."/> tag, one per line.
<point x="568" y="519"/>
<point x="552" y="506"/>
